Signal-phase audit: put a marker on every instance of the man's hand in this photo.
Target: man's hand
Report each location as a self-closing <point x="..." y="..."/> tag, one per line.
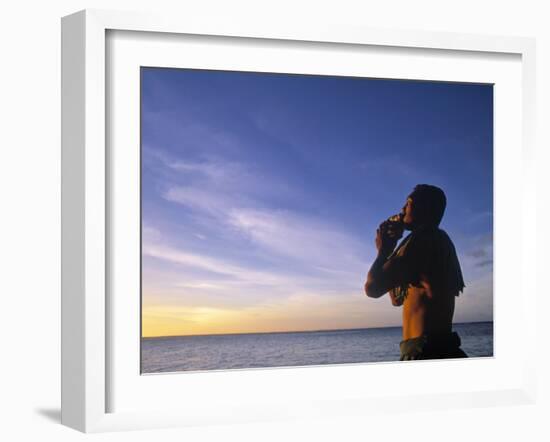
<point x="387" y="235"/>
<point x="394" y="299"/>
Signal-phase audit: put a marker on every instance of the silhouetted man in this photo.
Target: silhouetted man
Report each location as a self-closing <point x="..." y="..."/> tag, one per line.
<point x="423" y="275"/>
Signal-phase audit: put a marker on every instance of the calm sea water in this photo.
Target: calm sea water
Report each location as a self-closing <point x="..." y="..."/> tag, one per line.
<point x="218" y="352"/>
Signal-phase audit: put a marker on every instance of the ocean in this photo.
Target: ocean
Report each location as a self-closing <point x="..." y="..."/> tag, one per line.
<point x="253" y="350"/>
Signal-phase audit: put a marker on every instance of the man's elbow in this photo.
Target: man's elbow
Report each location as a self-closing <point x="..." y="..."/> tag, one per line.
<point x="372" y="290"/>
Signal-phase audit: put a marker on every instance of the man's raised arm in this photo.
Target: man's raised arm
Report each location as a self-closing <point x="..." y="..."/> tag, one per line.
<point x="382" y="273"/>
<point x="385" y="275"/>
<point x="377" y="282"/>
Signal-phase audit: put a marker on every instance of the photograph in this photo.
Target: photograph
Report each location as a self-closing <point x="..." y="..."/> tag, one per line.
<point x="298" y="220"/>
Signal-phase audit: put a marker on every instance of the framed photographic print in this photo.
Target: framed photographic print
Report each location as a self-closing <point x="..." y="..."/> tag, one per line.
<point x="274" y="222"/>
<point x="257" y="192"/>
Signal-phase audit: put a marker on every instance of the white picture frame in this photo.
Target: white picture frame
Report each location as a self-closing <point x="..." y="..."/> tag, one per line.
<point x="86" y="315"/>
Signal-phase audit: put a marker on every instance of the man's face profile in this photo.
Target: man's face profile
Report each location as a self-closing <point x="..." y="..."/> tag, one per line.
<point x="424" y="207"/>
<point x="408" y="213"/>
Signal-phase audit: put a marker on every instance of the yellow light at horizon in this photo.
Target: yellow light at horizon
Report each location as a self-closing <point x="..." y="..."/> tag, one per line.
<point x="298" y="313"/>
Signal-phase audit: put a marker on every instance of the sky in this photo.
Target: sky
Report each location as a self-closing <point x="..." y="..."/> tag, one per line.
<point x="261" y="194"/>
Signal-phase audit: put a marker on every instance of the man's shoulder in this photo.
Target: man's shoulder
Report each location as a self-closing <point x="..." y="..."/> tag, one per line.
<point x="443" y="237"/>
<point x="429" y="240"/>
<point x="435" y="243"/>
<point x="432" y="234"/>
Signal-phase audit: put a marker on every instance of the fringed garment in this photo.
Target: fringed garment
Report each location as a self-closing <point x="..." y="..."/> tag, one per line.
<point x="430" y="253"/>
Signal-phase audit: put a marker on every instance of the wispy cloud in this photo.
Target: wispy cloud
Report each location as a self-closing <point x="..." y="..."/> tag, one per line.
<point x="392" y="163"/>
<point x="299" y="237"/>
<point x="216" y="185"/>
<point x="210" y="264"/>
<point x="484" y="215"/>
<point x="217" y="172"/>
<point x="209" y="201"/>
<point x="236" y="200"/>
<point x="480" y="253"/>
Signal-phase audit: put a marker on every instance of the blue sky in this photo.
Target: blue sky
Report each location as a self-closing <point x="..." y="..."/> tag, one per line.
<point x="261" y="194"/>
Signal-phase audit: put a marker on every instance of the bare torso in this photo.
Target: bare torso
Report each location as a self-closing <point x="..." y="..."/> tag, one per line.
<point x="426" y="311"/>
<point x="426" y="267"/>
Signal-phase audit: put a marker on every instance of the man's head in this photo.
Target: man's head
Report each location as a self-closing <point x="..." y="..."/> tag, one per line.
<point x="424" y="207"/>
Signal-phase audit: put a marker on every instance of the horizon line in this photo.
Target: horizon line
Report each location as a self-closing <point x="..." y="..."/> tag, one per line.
<point x="291" y="331"/>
